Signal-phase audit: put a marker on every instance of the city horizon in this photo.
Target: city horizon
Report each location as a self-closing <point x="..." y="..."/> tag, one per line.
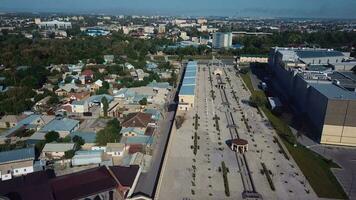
<point x="273" y="9"/>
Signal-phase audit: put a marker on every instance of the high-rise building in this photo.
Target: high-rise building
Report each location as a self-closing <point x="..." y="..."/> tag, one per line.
<point x="161" y="28"/>
<point x="222" y="40"/>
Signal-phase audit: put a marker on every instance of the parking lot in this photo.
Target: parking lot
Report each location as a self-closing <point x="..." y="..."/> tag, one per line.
<point x="186" y="175"/>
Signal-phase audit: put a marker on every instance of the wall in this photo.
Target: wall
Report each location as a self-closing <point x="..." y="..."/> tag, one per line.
<point x="340" y="123"/>
<point x="189" y="99"/>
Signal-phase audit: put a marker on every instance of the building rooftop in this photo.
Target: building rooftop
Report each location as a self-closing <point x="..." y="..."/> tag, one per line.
<point x="88" y="136"/>
<point x="58" y="147"/>
<point x="132" y="129"/>
<point x="345" y="79"/>
<point x="82" y="184"/>
<point x="125" y="175"/>
<point x="32" y="186"/>
<point x="333" y="91"/>
<point x="60" y="124"/>
<point x="189" y="81"/>
<point x="190" y="74"/>
<point x="17" y="155"/>
<point x="310" y="53"/>
<point x="146" y="140"/>
<point x="110" y="147"/>
<point x="97" y="98"/>
<point x="187" y="90"/>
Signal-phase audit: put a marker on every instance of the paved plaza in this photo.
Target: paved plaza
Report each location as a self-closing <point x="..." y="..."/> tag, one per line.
<point x="189" y="176"/>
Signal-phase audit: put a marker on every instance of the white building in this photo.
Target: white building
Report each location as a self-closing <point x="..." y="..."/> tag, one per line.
<point x="55" y="24"/>
<point x="222" y="40"/>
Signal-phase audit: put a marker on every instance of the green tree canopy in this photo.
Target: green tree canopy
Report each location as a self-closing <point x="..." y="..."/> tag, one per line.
<point x="111" y="133"/>
<point x="51" y="136"/>
<point x="105" y="103"/>
<point x="143" y="101"/>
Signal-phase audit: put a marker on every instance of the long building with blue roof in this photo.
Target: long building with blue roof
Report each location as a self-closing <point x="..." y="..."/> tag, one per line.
<point x="187" y="90"/>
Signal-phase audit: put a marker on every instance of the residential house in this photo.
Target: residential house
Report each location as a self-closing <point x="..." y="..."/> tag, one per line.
<point x="138" y="120"/>
<point x="131" y="131"/>
<point x="129" y="66"/>
<point x="108" y="59"/>
<point x="48" y="87"/>
<point x="64" y="90"/>
<point x="87" y="157"/>
<point x="10" y="121"/>
<point x="31" y="122"/>
<point x="150" y="66"/>
<point x="96" y="85"/>
<point x="88" y="137"/>
<point x="80" y="106"/>
<point x="64" y="126"/>
<point x="115" y="149"/>
<point x="16" y="162"/>
<point x="140" y="74"/>
<point x="78" y="96"/>
<point x="42" y="105"/>
<point x="56" y="150"/>
<point x="87" y="76"/>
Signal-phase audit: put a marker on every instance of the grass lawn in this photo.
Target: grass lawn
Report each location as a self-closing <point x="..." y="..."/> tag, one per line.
<point x="314" y="167"/>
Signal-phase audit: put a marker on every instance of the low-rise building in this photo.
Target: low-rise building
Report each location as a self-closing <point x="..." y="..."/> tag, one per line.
<point x="87" y="157"/>
<point x="16" y="163"/>
<point x="10" y="121"/>
<point x="115" y="149"/>
<point x="187" y="90"/>
<point x="56" y="150"/>
<point x="64" y="126"/>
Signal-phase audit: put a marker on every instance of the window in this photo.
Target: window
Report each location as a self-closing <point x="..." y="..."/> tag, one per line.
<point x="17" y="170"/>
<point x="24" y="170"/>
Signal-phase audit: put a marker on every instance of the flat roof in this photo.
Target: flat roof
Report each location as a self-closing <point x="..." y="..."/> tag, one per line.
<point x="333" y="91"/>
<point x="190" y="74"/>
<point x="187" y="90"/>
<point x="189" y="81"/>
<point x="318" y="53"/>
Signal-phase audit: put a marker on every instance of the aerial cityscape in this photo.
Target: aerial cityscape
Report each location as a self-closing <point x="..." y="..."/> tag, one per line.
<point x="166" y="100"/>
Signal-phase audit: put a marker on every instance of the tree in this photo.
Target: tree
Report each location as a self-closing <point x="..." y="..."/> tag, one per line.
<point x="111" y="133"/>
<point x="105" y="103"/>
<point x="53" y="100"/>
<point x="257" y="100"/>
<point x="143" y="101"/>
<point x="51" y="136"/>
<point x="68" y="79"/>
<point x="79" y="141"/>
<point x="69" y="154"/>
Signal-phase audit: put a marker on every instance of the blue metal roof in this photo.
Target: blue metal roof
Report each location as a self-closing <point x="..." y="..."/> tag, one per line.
<point x="88" y="136"/>
<point x="318" y="53"/>
<point x="189" y="81"/>
<point x="190" y="74"/>
<point x="97" y="98"/>
<point x="17" y="155"/>
<point x="62" y="124"/>
<point x="187" y="90"/>
<point x="138" y="140"/>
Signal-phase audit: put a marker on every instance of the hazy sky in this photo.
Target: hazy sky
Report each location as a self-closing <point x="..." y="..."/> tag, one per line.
<point x="249" y="8"/>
